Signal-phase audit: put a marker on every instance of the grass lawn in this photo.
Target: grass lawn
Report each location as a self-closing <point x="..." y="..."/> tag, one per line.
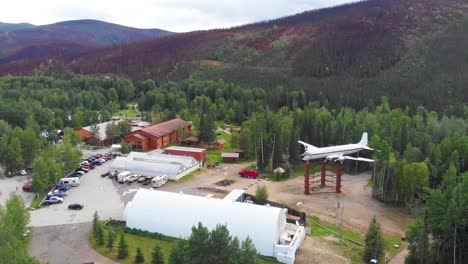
<point x="146" y="244"/>
<point x="191" y="175"/>
<point x="128" y="112"/>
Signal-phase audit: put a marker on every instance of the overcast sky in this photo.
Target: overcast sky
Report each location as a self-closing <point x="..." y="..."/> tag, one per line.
<point x="173" y="15"/>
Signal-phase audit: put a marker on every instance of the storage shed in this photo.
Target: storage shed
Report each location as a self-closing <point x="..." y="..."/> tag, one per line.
<point x="174" y="214"/>
<point x="197" y="153"/>
<point x="174" y="167"/>
<point x="230" y="157"/>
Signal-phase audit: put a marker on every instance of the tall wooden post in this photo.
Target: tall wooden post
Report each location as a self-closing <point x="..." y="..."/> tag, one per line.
<point x="306" y="178"/>
<point x="323" y="174"/>
<point x="339" y="169"/>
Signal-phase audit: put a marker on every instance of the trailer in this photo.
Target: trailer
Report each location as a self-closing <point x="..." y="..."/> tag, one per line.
<point x="158" y="181"/>
<point x="122" y="177"/>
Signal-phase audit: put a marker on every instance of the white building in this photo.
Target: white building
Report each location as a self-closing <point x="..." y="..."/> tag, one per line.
<point x="174" y="214"/>
<point x="153" y="164"/>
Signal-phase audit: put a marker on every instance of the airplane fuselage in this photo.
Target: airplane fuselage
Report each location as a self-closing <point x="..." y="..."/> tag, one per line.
<point x="331" y="152"/>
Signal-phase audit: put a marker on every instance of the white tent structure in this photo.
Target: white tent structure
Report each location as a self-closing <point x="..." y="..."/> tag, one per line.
<point x="174" y="214"/>
<point x="173" y="166"/>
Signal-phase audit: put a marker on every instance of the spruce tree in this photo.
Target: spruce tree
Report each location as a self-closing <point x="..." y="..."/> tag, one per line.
<point x="374" y="242"/>
<point x="178" y="253"/>
<point x="157" y="257"/>
<point x="95" y="224"/>
<point x="261" y="194"/>
<point x="110" y="240"/>
<point x="123" y="248"/>
<point x="248" y="254"/>
<point x="100" y="235"/>
<point x="139" y="258"/>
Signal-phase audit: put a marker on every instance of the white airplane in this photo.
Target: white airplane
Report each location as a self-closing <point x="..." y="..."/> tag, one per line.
<point x="336" y="152"/>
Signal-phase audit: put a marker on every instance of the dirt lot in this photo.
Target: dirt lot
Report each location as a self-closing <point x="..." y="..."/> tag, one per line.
<point x="356" y="197"/>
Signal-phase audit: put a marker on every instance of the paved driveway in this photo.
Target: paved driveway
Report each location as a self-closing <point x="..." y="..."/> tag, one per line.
<point x="64" y="244"/>
<point x="12" y="186"/>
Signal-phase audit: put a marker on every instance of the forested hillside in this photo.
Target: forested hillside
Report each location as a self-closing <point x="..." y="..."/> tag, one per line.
<point x="346" y="55"/>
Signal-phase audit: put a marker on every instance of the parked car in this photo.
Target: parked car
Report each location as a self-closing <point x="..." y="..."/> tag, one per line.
<point x="27" y="187"/>
<point x="63" y="187"/>
<point x="96" y="163"/>
<point x="147" y="180"/>
<point x="142" y="179"/>
<point x="64" y="193"/>
<point x="122" y="177"/>
<point x="74" y="175"/>
<point x="53" y="200"/>
<point x="86" y="170"/>
<point x="23" y="173"/>
<point x="89" y="167"/>
<point x="105" y="174"/>
<point x="80" y="172"/>
<point x="57" y="194"/>
<point x="251" y="174"/>
<point x="84" y="163"/>
<point x="75" y="206"/>
<point x="133" y="177"/>
<point x="112" y="174"/>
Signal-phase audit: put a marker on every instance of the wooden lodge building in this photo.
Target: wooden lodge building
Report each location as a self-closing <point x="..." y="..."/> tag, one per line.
<point x="157" y="136"/>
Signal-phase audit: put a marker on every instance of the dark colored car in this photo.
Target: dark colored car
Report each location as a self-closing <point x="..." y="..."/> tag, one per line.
<point x="27" y="187"/>
<point x="73" y="175"/>
<point x="142" y="179"/>
<point x="75" y="206"/>
<point x="63" y="187"/>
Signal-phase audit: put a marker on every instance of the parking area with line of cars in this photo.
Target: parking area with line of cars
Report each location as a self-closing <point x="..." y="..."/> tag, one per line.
<point x="81" y="193"/>
<point x="59" y="193"/>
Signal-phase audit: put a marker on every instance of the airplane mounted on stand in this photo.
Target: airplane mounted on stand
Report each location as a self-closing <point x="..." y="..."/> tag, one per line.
<point x="336" y="153"/>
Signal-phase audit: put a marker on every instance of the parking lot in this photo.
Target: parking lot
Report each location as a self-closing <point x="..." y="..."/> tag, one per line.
<point x="97" y="194"/>
<point x="12" y="186"/>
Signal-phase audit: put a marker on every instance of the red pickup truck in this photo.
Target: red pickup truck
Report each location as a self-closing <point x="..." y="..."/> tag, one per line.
<point x="251" y="174"/>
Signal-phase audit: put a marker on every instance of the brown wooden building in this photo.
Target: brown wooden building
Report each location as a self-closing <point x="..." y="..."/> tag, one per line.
<point x="230" y="157"/>
<point x="157" y="136"/>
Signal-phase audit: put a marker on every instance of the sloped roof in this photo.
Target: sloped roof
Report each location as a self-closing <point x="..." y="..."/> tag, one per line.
<point x="102" y="128"/>
<point x="229" y="155"/>
<point x="167" y="127"/>
<point x="187" y="149"/>
<point x="221" y="141"/>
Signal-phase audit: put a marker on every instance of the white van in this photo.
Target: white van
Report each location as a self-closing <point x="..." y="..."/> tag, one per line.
<point x="70" y="181"/>
<point x="158" y="181"/>
<point x="122" y="177"/>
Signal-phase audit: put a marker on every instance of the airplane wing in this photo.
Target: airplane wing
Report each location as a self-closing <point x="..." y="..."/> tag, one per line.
<point x="353" y="158"/>
<point x="307" y="146"/>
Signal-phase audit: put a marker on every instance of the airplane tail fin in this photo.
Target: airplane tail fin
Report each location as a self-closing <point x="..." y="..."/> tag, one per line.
<point x="363" y="141"/>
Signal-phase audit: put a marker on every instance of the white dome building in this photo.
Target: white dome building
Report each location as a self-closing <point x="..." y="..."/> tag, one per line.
<point x="174" y="214"/>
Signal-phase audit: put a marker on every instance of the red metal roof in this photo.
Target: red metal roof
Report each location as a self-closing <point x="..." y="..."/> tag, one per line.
<point x="167" y="127"/>
<point x="140" y="136"/>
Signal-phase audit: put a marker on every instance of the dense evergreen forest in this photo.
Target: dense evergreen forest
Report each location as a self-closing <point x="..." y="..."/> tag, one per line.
<point x="422" y="154"/>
